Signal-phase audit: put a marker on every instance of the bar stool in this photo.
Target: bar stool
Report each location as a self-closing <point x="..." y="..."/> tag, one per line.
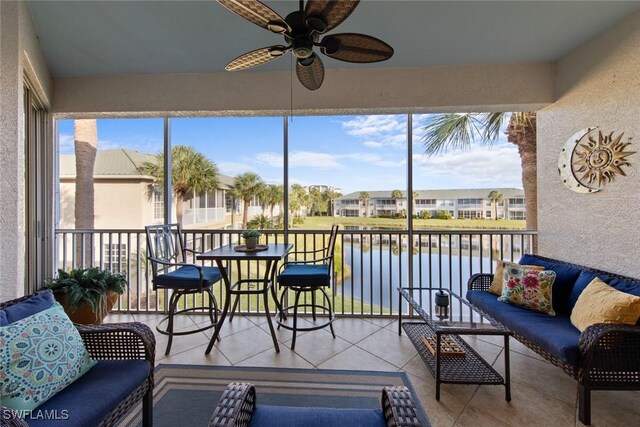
<point x="308" y="276"/>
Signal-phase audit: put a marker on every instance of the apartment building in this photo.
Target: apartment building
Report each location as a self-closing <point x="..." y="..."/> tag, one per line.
<point x="461" y="203"/>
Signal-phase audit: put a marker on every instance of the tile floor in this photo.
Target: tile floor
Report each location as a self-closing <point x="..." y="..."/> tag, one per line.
<point x="542" y="394"/>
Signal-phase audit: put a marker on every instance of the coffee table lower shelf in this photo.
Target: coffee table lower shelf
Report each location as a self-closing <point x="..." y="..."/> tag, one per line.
<point x="470" y="368"/>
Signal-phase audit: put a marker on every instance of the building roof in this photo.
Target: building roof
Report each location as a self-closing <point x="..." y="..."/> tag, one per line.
<point x="120" y="162"/>
<point x="480" y="193"/>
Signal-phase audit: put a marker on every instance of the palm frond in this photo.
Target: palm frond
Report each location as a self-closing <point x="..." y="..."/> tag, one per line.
<point x="448" y="132"/>
<point x="491" y="125"/>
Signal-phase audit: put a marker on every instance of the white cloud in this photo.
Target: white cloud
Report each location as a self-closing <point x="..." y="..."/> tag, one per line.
<point x="234" y="168"/>
<point x="300" y="159"/>
<point x="476" y="167"/>
<point x="374" y="125"/>
<point x="373" y="144"/>
<point x="65" y="143"/>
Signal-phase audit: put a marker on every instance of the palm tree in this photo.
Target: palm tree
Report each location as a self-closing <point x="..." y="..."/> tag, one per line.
<point x="496" y="197"/>
<point x="191" y="173"/>
<point x="297" y="199"/>
<point x="414" y="197"/>
<point x="86" y="147"/>
<point x="330" y="196"/>
<point x="364" y="197"/>
<point x="247" y="186"/>
<point x="396" y="195"/>
<point x="459" y="130"/>
<point x="271" y="196"/>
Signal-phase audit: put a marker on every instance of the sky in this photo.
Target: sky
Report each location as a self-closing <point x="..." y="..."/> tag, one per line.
<point x="352" y="153"/>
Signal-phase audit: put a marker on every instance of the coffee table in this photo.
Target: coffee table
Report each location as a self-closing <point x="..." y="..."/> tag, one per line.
<point x="463" y="365"/>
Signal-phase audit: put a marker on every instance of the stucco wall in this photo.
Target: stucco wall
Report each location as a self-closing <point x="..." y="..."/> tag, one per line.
<point x="596" y="85"/>
<point x="504" y="87"/>
<point x="19" y="55"/>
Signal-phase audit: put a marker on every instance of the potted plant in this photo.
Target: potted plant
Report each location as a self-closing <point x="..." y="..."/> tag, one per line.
<point x="87" y="294"/>
<point x="251" y="238"/>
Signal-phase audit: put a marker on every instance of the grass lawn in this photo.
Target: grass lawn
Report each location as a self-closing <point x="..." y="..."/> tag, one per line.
<point x="323" y="222"/>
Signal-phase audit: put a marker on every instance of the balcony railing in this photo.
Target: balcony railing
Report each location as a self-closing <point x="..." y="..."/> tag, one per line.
<point x="369" y="264"/>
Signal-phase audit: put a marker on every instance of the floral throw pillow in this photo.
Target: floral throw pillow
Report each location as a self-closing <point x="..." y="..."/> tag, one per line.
<point x="41" y="354"/>
<point x="528" y="288"/>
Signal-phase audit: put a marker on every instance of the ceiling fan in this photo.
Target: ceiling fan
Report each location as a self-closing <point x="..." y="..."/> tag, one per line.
<point x="302" y="30"/>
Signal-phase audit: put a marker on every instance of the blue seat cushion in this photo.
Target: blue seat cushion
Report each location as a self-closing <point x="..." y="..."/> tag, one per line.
<point x="89" y="400"/>
<point x="186" y="277"/>
<point x="566" y="277"/>
<point x="305" y="275"/>
<point x="555" y="334"/>
<point x="37" y="303"/>
<point x="287" y="416"/>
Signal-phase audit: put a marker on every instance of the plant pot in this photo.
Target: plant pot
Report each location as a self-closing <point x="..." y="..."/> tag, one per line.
<point x="85" y="314"/>
<point x="251" y="242"/>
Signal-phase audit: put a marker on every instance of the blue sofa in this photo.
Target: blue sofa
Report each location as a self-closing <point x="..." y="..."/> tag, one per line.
<point x="603" y="357"/>
<point x="123" y="377"/>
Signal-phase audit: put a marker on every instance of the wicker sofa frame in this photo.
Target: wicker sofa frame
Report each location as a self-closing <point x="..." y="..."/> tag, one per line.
<point x="238" y="402"/>
<point x="115" y="341"/>
<point x="609" y="354"/>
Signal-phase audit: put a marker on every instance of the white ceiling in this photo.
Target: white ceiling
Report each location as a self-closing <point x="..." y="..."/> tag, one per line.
<point x="88" y="38"/>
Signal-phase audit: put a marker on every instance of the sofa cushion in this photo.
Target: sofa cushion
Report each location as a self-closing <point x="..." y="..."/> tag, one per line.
<point x="498" y="276"/>
<point x="90" y="399"/>
<point x="601" y="303"/>
<point x="528" y="288"/>
<point x="287" y="416"/>
<point x="566" y="277"/>
<point x="628" y="286"/>
<point x="555" y="334"/>
<point x="188" y="278"/>
<point x="37" y="303"/>
<point x="41" y="355"/>
<point x="305" y="275"/>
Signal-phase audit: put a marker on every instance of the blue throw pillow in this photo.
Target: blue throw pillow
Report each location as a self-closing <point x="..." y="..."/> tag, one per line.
<point x="41" y="354"/>
<point x="37" y="303"/>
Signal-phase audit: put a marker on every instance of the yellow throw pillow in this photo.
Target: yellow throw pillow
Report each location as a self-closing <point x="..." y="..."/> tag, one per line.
<point x="601" y="303"/>
<point x="498" y="276"/>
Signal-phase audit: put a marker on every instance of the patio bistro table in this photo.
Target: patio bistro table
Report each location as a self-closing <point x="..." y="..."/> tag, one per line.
<point x="468" y="368"/>
<point x="272" y="255"/>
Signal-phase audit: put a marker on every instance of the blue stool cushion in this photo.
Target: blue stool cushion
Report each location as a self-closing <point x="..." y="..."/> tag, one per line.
<point x="89" y="400"/>
<point x="305" y="275"/>
<point x="37" y="303"/>
<point x="188" y="278"/>
<point x="287" y="416"/>
<point x="555" y="334"/>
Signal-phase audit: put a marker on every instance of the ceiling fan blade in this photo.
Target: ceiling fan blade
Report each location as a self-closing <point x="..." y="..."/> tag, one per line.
<point x="310" y="72"/>
<point x="256" y="57"/>
<point x="351" y="47"/>
<point x="332" y="12"/>
<point x="258" y="13"/>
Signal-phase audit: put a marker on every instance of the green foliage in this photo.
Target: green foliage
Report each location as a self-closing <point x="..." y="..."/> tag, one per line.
<point x="86" y="286"/>
<point x="251" y="234"/>
<point x="440" y="214"/>
<point x="425" y="215"/>
<point x="261" y="222"/>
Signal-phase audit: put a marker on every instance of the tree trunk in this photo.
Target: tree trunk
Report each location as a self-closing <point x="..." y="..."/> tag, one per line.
<point x="86" y="145"/>
<point x="522" y="133"/>
<point x="245" y="211"/>
<point x="179" y="210"/>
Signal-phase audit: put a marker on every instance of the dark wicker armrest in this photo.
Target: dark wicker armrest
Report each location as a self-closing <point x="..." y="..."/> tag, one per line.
<point x="610" y="353"/>
<point x="398" y="407"/>
<point x="10" y="418"/>
<point x="480" y="282"/>
<point x="119" y="341"/>
<point x="235" y="407"/>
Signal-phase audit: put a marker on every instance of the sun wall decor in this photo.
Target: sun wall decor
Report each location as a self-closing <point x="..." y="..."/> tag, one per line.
<point x="591" y="158"/>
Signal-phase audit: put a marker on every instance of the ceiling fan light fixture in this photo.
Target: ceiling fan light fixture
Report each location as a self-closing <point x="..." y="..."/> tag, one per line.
<point x="302" y="47"/>
<point x="330" y="45"/>
<point x="277" y="27"/>
<point x="277" y="51"/>
<point x="316" y="23"/>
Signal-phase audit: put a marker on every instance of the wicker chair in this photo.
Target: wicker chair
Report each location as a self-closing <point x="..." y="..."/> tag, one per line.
<point x="116" y="341"/>
<point x="238" y="404"/>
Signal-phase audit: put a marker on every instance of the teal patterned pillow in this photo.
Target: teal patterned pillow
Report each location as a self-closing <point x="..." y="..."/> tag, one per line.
<point x="41" y="354"/>
<point x="528" y="288"/>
